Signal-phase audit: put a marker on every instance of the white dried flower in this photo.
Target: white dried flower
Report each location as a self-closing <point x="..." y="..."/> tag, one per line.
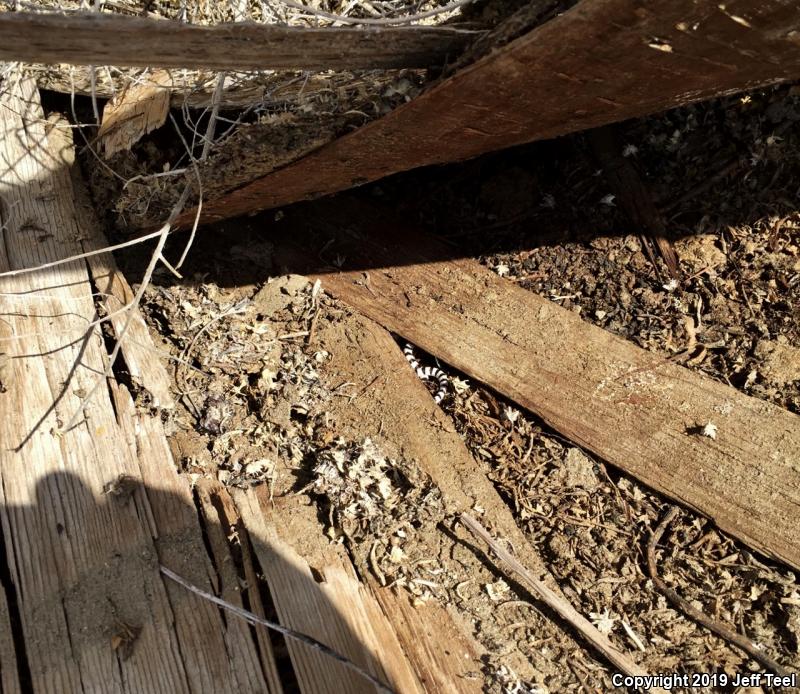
<point x="603" y="621"/>
<point x="498" y="590"/>
<point x="671" y="286"/>
<point x="629" y="150"/>
<point x="608" y="200"/>
<point x="460" y="385"/>
<point x="710" y="430"/>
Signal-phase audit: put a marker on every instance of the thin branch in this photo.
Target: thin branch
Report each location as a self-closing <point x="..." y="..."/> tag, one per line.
<point x="558" y="604"/>
<point x="692" y="612"/>
<point x="286" y="631"/>
<point x="212" y="123"/>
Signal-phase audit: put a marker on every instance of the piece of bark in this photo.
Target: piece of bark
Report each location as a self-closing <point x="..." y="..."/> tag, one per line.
<point x="138" y="110"/>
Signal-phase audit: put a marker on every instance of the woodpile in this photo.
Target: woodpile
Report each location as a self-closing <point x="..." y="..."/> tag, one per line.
<point x="185" y="463"/>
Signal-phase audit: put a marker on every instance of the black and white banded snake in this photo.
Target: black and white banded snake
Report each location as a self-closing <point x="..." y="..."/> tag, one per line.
<point x="428" y="374"/>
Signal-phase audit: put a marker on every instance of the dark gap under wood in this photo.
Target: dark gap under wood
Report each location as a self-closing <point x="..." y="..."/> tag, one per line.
<point x="633" y="195"/>
<point x="600" y="62"/>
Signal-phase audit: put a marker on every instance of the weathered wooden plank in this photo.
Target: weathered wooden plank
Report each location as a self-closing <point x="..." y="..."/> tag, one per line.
<point x="635" y="409"/>
<point x="83" y="550"/>
<point x="600" y="62"/>
<point x="78" y="564"/>
<point x="230" y="522"/>
<point x="374" y="628"/>
<point x="396" y="403"/>
<point x="191" y="89"/>
<point x="99" y="39"/>
<point x="281" y="537"/>
<point x="422" y="631"/>
<point x="213" y="650"/>
<point x="9" y="678"/>
<point x="238" y="638"/>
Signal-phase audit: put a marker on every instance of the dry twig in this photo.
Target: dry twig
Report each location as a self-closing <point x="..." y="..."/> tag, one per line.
<point x="556" y="603"/>
<point x="286" y="631"/>
<point x="690" y="611"/>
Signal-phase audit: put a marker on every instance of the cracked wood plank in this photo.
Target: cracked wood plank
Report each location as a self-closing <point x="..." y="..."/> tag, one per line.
<point x="231" y="521"/>
<point x="315" y="591"/>
<point x="138" y="350"/>
<point x="102" y="39"/>
<point x="635" y="409"/>
<point x="83" y="556"/>
<point x="227" y="586"/>
<point x="600" y="62"/>
<point x="169" y="510"/>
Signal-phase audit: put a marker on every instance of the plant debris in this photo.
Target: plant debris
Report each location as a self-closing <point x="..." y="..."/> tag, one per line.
<point x="259" y="394"/>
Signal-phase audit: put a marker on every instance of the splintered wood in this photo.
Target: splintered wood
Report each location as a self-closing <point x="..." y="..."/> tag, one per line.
<point x="87" y="514"/>
<point x="140" y="109"/>
<point x="635" y="409"/>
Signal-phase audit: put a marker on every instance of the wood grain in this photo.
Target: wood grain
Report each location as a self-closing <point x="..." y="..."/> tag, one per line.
<point x="98" y="39"/>
<point x="239" y="641"/>
<point x="138" y="110"/>
<point x="282" y="534"/>
<point x="600" y="62"/>
<point x="231" y="522"/>
<point x="67" y="549"/>
<point x="635" y="409"/>
<point x="84" y="561"/>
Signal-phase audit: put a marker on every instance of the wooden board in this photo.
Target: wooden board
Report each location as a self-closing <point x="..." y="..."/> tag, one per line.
<point x="600" y="62"/>
<point x="327" y="603"/>
<point x="633" y="408"/>
<point x="228" y="587"/>
<point x="102" y="39"/>
<point x="82" y="557"/>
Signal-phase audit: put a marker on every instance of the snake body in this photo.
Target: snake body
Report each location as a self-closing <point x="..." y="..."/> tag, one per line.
<point x="428" y="374"/>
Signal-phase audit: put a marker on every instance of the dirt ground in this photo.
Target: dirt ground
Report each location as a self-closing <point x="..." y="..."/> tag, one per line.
<point x="260" y="397"/>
